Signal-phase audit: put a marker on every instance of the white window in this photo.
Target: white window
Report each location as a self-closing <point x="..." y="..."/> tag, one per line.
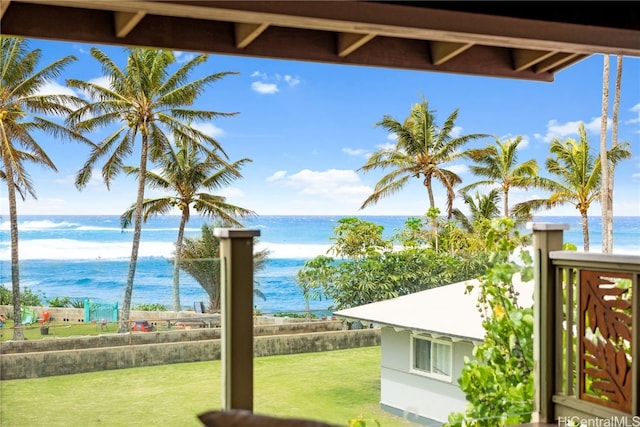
<point x="431" y="357"/>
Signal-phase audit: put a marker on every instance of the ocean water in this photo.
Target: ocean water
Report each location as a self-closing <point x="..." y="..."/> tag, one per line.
<point x="88" y="256"/>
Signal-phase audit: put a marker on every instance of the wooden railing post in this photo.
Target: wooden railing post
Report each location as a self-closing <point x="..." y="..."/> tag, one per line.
<point x="546" y="238"/>
<point x="236" y="283"/>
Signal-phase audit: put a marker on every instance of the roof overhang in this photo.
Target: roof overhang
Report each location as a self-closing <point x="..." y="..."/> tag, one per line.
<point x="449" y="311"/>
<point x="521" y="40"/>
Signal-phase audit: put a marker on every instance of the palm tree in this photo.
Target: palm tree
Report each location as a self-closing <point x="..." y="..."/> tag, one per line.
<point x="145" y="100"/>
<point x="481" y="206"/>
<point x="422" y="151"/>
<point x="201" y="260"/>
<point x="22" y="112"/>
<point x="497" y="163"/>
<point x="188" y="176"/>
<point x="578" y="171"/>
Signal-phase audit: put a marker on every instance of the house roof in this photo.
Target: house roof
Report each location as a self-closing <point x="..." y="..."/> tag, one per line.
<point x="445" y="311"/>
<point x="521" y="40"/>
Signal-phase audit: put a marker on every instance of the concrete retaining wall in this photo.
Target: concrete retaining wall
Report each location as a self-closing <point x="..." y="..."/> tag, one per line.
<point x="77" y="360"/>
<point x="161" y="337"/>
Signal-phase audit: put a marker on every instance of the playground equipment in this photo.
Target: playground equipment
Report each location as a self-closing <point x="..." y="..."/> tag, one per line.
<point x="28" y="316"/>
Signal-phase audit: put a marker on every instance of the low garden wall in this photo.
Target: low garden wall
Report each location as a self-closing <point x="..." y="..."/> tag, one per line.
<point x="41" y="358"/>
<point x="160" y="337"/>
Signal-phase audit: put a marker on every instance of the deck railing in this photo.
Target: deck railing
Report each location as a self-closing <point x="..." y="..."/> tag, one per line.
<point x="587" y="335"/>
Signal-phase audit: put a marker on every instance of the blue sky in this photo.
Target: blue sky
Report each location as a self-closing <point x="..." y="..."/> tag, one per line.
<point x="308" y="127"/>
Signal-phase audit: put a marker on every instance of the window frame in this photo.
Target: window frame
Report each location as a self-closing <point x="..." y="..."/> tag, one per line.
<point x="415" y="370"/>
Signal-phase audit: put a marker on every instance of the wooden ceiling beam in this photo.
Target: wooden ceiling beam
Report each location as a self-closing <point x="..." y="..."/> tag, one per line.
<point x="127" y="21"/>
<point x="389" y="20"/>
<point x="367" y="33"/>
<point x="349" y="42"/>
<point x="555" y="61"/>
<point x="4" y="5"/>
<point x="207" y="36"/>
<point x="247" y="33"/>
<point x="527" y="58"/>
<point x="442" y="52"/>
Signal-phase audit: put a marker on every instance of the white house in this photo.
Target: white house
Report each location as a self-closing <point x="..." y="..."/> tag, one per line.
<point x="424" y="339"/>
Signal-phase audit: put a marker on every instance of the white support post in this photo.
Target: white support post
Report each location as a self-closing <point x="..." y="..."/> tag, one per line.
<point x="546" y="238"/>
<point x="236" y="268"/>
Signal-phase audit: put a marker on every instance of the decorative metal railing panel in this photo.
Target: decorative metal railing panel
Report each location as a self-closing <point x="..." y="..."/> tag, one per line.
<point x="594" y="329"/>
<point x="605" y="338"/>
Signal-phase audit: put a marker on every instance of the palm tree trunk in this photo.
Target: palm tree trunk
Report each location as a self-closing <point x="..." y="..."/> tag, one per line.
<point x="607" y="223"/>
<point x="18" y="333"/>
<point x="307" y="306"/>
<point x="585" y="230"/>
<point x="608" y="248"/>
<point x="176" y="261"/>
<point x="137" y="232"/>
<point x="506" y="203"/>
<point x="432" y="204"/>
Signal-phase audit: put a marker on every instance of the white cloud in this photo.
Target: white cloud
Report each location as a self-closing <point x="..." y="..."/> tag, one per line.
<point x="333" y="184"/>
<point x="269" y="84"/>
<point x="232" y="193"/>
<point x="291" y="81"/>
<point x="569" y="129"/>
<point x="96" y="180"/>
<point x="392" y="137"/>
<point x="356" y="152"/>
<point x="42" y="206"/>
<point x="556" y="130"/>
<point x="457" y="169"/>
<point x="54" y="88"/>
<point x="183" y="56"/>
<point x="456" y="131"/>
<point x="524" y="143"/>
<point x="634" y="109"/>
<point x="103" y="81"/>
<point x="386" y="146"/>
<point x="277" y="176"/>
<point x="209" y="129"/>
<point x="265" y="88"/>
<point x="594" y="125"/>
<point x="81" y="49"/>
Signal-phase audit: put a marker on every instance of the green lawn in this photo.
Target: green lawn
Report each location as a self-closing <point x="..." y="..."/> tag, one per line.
<point x="330" y="386"/>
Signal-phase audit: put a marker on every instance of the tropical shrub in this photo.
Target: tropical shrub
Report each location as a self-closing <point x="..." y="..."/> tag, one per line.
<point x="27" y="297"/>
<point x="77" y="303"/>
<point x="59" y="302"/>
<point x="295" y="315"/>
<point x="5" y="296"/>
<point x="150" y="307"/>
<point x="201" y="260"/>
<point x="371" y="270"/>
<point x="498" y="383"/>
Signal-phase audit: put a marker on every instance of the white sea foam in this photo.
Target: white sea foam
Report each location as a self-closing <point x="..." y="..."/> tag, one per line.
<point x="96" y="228"/>
<point x="299" y="251"/>
<point x="60" y="249"/>
<point x="70" y="249"/>
<point x="38" y="225"/>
